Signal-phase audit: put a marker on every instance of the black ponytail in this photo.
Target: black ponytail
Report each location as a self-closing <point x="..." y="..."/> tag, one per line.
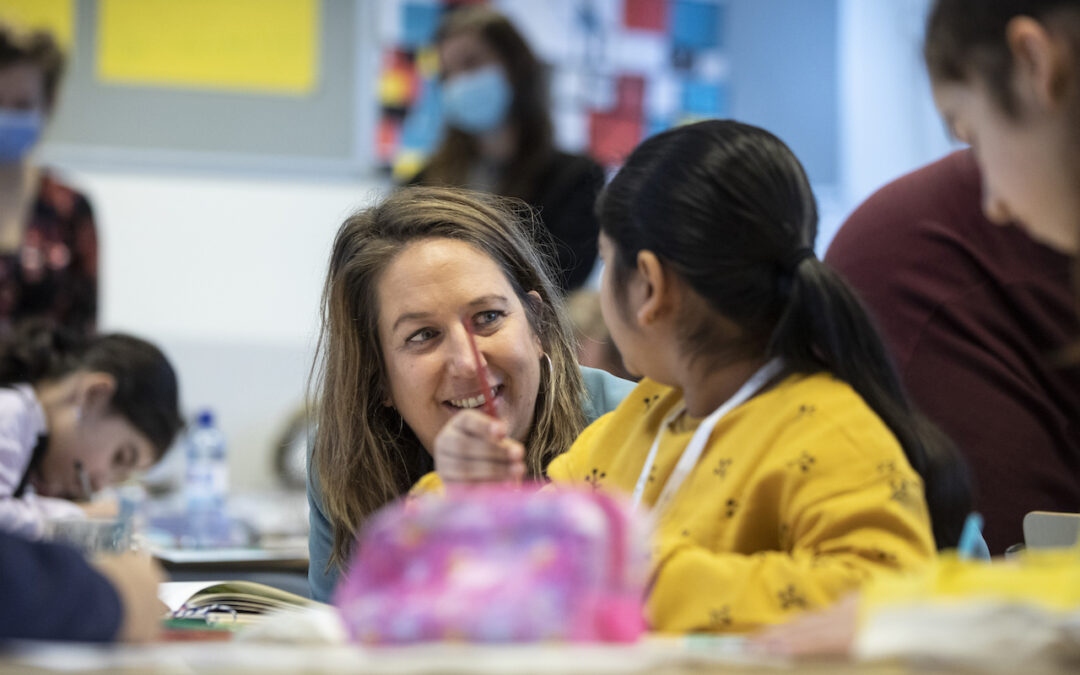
<point x="825" y="325"/>
<point x="729" y="209"/>
<point x="146" y="388"/>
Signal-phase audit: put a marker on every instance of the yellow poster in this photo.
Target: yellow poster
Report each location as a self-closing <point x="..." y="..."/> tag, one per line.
<point x="55" y="16"/>
<point x="247" y="45"/>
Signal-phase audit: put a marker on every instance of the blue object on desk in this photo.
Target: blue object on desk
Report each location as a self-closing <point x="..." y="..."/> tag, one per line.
<point x="219" y="531"/>
<point x="972" y="546"/>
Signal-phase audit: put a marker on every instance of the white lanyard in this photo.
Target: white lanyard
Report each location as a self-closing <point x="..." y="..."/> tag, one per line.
<point x="692" y="453"/>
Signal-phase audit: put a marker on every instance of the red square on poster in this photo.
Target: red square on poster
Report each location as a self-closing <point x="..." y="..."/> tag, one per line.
<point x="645" y="14"/>
<point x="629" y="95"/>
<point x="611" y="137"/>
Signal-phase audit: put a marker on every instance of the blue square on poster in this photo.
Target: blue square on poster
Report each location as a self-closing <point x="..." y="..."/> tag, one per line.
<point x="704" y="99"/>
<point x="419" y="21"/>
<point x="696" y="24"/>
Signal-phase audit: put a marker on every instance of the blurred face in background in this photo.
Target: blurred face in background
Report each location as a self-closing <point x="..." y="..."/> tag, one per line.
<point x="22" y="110"/>
<point x="464" y="52"/>
<point x="22" y="87"/>
<point x="1028" y="156"/>
<point x="476" y="93"/>
<point x="1028" y="174"/>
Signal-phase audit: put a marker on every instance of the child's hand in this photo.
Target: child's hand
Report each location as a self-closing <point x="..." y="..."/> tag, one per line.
<point x="473" y="448"/>
<point x="135" y="578"/>
<point x="826" y="633"/>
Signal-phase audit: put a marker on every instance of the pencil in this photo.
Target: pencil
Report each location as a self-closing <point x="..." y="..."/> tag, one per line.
<point x="482" y="375"/>
<point x="84" y="481"/>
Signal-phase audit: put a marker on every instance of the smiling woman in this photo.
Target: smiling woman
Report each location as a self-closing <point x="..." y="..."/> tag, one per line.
<point x="431" y="291"/>
<point x="398" y="384"/>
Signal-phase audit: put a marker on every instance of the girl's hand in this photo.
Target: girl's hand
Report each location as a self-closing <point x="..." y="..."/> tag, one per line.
<point x="135" y="578"/>
<point x="473" y="448"/>
<point x="826" y="633"/>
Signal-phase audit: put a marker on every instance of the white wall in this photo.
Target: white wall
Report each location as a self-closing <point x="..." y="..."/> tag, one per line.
<point x="224" y="272"/>
<point x="888" y="124"/>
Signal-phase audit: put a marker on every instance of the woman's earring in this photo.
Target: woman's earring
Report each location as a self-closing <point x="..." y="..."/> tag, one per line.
<point x="78" y="414"/>
<point x="548" y="397"/>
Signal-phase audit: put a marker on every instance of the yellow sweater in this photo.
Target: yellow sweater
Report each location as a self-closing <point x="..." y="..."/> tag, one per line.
<point x="802" y="494"/>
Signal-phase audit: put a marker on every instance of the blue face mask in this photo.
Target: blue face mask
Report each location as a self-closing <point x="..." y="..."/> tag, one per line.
<point x="19" y="133"/>
<point x="477" y="101"/>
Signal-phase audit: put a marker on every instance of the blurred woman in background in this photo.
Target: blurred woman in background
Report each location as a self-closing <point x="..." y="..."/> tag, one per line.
<point x="48" y="242"/>
<point x="499" y="136"/>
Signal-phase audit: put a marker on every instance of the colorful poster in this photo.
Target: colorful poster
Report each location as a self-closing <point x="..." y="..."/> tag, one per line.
<point x="619" y="70"/>
<point x="268" y="46"/>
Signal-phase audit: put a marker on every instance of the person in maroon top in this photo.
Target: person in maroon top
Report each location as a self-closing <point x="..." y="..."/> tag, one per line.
<point x="48" y="242"/>
<point x="976" y="315"/>
<point x="1005" y="80"/>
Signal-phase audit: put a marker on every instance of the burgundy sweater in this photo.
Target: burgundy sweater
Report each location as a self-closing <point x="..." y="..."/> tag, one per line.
<point x="974" y="313"/>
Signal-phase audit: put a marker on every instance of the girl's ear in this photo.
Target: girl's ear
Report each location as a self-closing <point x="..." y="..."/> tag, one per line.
<point x="95" y="392"/>
<point x="1042" y="64"/>
<point x="652" y="300"/>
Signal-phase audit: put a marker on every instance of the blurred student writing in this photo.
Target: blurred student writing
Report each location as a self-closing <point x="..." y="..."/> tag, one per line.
<point x="51" y="593"/>
<point x="77" y="415"/>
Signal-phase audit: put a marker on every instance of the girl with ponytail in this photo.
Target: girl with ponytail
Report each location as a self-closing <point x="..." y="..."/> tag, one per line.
<point x="770" y="435"/>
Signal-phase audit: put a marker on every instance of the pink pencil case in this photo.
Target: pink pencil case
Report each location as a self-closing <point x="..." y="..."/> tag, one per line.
<point x="497" y="564"/>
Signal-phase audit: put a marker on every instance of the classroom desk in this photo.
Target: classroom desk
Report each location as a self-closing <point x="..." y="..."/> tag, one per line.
<point x="236" y="658"/>
<point x="649" y="656"/>
<point x="283" y="567"/>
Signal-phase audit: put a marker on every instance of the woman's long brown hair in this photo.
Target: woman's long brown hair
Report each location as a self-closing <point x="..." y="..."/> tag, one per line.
<point x="364" y="455"/>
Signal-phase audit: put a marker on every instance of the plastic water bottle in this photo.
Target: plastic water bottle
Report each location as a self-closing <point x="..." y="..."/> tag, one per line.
<point x="207" y="481"/>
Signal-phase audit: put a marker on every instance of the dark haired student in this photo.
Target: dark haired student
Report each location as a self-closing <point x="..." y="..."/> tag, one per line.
<point x="77" y="415"/>
<point x="770" y="435"/>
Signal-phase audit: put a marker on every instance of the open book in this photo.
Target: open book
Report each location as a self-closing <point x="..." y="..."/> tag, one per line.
<point x="238" y="602"/>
